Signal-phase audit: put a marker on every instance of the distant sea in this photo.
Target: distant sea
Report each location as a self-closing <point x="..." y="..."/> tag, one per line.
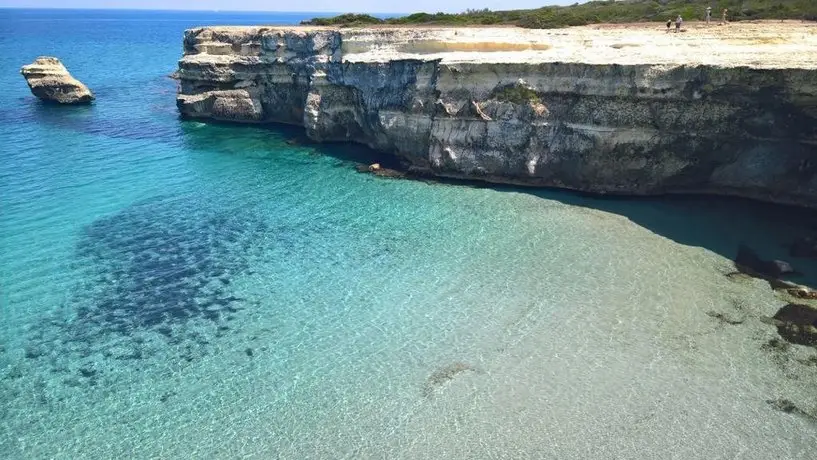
<point x="176" y="289"/>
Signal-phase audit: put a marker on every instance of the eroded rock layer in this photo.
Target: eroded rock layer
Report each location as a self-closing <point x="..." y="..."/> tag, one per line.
<point x="453" y="106"/>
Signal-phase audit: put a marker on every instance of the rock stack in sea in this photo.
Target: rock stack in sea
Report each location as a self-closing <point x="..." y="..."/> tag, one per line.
<point x="50" y="81"/>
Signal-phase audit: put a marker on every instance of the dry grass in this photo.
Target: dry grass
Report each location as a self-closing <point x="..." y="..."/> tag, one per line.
<point x="435" y="46"/>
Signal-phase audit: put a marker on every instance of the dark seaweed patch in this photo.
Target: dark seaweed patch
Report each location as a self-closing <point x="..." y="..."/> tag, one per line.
<point x="788" y="407"/>
<point x="443" y="375"/>
<point x="158" y="272"/>
<point x="162" y="263"/>
<point x="776" y="345"/>
<point x="783" y="405"/>
<point x="724" y="319"/>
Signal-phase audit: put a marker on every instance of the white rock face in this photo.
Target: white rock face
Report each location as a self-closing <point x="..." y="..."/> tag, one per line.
<point x="50" y="81"/>
<point x="542" y="108"/>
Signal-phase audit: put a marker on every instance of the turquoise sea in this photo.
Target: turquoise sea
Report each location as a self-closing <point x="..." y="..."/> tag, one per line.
<point x="174" y="289"/>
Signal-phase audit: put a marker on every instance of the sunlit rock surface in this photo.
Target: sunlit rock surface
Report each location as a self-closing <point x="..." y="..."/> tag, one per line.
<point x="50" y="81"/>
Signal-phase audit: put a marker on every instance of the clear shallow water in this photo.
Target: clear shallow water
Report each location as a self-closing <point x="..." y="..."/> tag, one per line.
<point x="181" y="290"/>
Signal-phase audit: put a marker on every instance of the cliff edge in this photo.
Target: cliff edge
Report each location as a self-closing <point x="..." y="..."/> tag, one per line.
<point x="618" y="109"/>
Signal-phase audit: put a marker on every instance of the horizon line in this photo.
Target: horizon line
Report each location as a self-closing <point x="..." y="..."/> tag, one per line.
<point x="57" y="8"/>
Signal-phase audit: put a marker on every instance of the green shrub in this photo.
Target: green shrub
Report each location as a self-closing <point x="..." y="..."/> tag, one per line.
<point x="343" y="20"/>
<point x="518" y="94"/>
<point x="595" y="12"/>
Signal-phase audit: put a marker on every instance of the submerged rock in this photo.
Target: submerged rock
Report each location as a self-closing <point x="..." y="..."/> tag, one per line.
<point x="747" y="261"/>
<point x="803" y="292"/>
<point x="378" y="170"/>
<point x="50" y="81"/>
<point x="797" y="324"/>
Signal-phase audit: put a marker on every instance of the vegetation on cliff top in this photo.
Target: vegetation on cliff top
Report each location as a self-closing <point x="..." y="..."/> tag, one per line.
<point x="518" y="94"/>
<point x="594" y="12"/>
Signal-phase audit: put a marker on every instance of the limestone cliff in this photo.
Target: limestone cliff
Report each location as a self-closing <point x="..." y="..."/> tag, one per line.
<point x="50" y="81"/>
<point x="527" y="107"/>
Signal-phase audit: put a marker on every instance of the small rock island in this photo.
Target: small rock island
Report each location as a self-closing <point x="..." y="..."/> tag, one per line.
<point x="50" y="81"/>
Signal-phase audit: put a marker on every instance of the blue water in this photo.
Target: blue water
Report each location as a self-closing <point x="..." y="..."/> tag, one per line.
<point x="173" y="289"/>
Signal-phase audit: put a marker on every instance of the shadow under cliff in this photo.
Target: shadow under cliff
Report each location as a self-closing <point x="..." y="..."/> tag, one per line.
<point x="717" y="223"/>
<point x="267" y="139"/>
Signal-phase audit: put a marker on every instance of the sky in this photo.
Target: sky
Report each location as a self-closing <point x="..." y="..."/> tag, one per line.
<point x="357" y="6"/>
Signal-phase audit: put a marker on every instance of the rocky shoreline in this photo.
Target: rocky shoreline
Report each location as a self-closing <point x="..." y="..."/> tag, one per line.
<point x="577" y="109"/>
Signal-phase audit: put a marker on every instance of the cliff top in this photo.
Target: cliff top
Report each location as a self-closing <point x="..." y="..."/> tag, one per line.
<point x="594" y="12"/>
<point x="767" y="44"/>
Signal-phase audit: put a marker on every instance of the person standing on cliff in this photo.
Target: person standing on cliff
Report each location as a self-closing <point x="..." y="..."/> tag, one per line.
<point x="678" y="21"/>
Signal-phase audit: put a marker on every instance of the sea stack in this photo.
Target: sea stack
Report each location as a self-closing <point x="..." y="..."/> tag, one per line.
<point x="50" y="81"/>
